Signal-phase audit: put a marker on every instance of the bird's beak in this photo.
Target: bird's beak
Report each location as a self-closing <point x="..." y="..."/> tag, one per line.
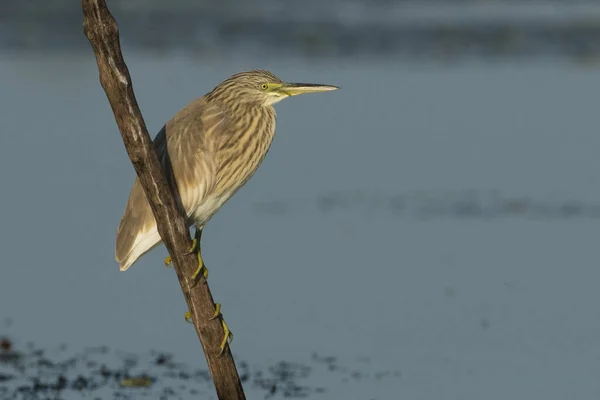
<point x="293" y="89"/>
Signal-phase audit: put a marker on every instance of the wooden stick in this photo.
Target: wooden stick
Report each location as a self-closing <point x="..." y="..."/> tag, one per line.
<point x="102" y="31"/>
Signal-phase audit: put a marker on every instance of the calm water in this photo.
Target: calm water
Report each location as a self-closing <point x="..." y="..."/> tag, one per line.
<point x="402" y="29"/>
<point x="325" y="250"/>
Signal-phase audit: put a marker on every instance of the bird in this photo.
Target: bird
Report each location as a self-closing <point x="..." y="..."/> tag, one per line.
<point x="208" y="150"/>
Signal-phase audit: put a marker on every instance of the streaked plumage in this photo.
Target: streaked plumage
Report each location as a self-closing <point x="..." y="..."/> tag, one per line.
<point x="210" y="149"/>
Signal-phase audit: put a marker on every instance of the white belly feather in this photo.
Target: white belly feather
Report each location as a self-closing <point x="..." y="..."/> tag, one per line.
<point x="205" y="211"/>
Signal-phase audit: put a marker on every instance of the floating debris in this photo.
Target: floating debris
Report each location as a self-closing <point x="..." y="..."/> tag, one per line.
<point x="136" y="382"/>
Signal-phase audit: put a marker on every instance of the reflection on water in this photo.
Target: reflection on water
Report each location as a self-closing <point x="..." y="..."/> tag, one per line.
<point x="470" y="204"/>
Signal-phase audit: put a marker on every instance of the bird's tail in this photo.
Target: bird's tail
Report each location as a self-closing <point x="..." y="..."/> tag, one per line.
<point x="140" y="245"/>
<point x="137" y="233"/>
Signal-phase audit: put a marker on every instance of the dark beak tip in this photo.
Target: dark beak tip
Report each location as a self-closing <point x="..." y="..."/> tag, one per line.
<point x="333" y="87"/>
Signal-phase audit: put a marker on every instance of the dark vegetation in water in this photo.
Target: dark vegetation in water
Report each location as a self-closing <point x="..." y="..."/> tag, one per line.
<point x="100" y="373"/>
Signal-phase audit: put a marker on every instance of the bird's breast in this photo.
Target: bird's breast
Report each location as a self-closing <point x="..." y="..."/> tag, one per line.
<point x="211" y="204"/>
<point x="245" y="149"/>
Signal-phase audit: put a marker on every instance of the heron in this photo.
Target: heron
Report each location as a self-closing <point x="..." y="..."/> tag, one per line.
<point x="208" y="151"/>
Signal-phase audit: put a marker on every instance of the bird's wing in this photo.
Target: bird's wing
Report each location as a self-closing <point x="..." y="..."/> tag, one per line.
<point x="184" y="148"/>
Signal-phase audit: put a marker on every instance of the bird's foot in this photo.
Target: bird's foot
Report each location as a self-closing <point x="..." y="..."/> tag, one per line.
<point x="228" y="336"/>
<point x="201" y="270"/>
<point x="195" y="248"/>
<point x="201" y="266"/>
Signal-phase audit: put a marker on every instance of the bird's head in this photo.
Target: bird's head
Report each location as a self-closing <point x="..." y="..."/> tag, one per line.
<point x="260" y="87"/>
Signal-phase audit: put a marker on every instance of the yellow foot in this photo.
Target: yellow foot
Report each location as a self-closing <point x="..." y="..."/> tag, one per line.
<point x="217" y="312"/>
<point x="169" y="262"/>
<point x="228" y="336"/>
<point x="201" y="270"/>
<point x="194" y="246"/>
<point x="201" y="266"/>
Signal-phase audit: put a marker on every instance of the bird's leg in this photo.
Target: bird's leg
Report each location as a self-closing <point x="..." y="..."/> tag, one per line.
<point x="228" y="337"/>
<point x="194" y="249"/>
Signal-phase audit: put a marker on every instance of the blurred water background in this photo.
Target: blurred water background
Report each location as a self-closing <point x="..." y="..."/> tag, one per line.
<point x="429" y="232"/>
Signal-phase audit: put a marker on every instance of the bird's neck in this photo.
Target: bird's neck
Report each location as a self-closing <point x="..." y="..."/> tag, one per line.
<point x="251" y="130"/>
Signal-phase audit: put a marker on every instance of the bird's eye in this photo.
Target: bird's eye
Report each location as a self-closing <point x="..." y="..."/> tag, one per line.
<point x="264" y="86"/>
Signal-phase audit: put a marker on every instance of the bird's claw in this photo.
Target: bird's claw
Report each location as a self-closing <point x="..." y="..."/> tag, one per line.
<point x="201" y="270"/>
<point x="195" y="247"/>
<point x="228" y="335"/>
<point x="217" y="312"/>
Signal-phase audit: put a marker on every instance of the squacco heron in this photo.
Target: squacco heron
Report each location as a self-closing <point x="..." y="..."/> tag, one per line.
<point x="209" y="150"/>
